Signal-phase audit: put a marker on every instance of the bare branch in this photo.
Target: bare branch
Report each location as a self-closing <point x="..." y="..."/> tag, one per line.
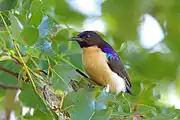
<point x="2" y="85"/>
<point x="10" y="72"/>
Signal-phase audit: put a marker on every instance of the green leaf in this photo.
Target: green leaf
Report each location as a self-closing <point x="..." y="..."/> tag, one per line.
<point x="122" y="17"/>
<point x="63" y="12"/>
<point x="7" y="4"/>
<point x="6" y="77"/>
<point x="36" y="12"/>
<point x="17" y="108"/>
<point x="59" y="47"/>
<point x="45" y="26"/>
<point x="9" y="101"/>
<point x="173" y="36"/>
<point x="39" y="115"/>
<point x="48" y="4"/>
<point x="104" y="100"/>
<point x="75" y="57"/>
<point x="59" y="41"/>
<point x="26" y="4"/>
<point x="15" y="26"/>
<point x="62" y="35"/>
<point x="145" y="110"/>
<point x="4" y="56"/>
<point x="155" y="65"/>
<point x="65" y="74"/>
<point x="33" y="52"/>
<point x="5" y="15"/>
<point x="66" y="14"/>
<point x="123" y="104"/>
<point x="101" y="114"/>
<point x="44" y="46"/>
<point x="82" y="105"/>
<point x="30" y="34"/>
<point x="164" y="117"/>
<point x="29" y="98"/>
<point x="177" y="82"/>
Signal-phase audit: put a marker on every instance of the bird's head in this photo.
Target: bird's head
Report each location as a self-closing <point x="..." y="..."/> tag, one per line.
<point x="87" y="39"/>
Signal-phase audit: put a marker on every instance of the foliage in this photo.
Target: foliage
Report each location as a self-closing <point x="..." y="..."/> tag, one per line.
<point x="37" y="59"/>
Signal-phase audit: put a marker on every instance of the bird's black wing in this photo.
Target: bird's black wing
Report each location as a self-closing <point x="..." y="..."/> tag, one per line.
<point x="117" y="66"/>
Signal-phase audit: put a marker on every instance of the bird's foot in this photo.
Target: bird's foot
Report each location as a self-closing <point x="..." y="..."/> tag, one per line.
<point x="90" y="85"/>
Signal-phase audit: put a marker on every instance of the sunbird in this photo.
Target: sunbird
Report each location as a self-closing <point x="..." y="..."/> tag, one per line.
<point x="102" y="63"/>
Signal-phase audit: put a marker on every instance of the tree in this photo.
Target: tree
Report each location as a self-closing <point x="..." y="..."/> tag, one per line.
<point x="40" y="66"/>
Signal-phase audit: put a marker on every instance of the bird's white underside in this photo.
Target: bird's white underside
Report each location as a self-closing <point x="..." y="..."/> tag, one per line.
<point x="118" y="82"/>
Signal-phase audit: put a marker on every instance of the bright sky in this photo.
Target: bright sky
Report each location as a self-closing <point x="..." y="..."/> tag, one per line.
<point x="150" y="32"/>
<point x="87" y="7"/>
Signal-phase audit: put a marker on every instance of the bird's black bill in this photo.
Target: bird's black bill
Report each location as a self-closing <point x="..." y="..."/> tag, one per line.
<point x="75" y="39"/>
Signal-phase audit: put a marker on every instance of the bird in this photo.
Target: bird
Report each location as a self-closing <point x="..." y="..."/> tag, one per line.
<point x="102" y="63"/>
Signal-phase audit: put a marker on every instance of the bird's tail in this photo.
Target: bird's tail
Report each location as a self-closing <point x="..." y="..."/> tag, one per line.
<point x="129" y="90"/>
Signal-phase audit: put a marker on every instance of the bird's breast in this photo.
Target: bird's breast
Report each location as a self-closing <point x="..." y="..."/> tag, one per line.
<point x="95" y="64"/>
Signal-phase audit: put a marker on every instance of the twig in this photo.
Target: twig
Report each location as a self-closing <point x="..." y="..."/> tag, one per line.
<point x="16" y="60"/>
<point x="81" y="73"/>
<point x="2" y="85"/>
<point x="12" y="73"/>
<point x="8" y="71"/>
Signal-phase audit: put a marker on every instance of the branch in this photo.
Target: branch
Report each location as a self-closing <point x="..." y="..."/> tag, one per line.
<point x="10" y="72"/>
<point x="81" y="73"/>
<point x="2" y="85"/>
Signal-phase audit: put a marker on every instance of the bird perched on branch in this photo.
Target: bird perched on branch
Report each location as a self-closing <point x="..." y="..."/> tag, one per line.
<point x="102" y="63"/>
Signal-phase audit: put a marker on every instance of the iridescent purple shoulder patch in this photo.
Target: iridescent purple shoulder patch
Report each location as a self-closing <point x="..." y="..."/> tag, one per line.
<point x="110" y="53"/>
